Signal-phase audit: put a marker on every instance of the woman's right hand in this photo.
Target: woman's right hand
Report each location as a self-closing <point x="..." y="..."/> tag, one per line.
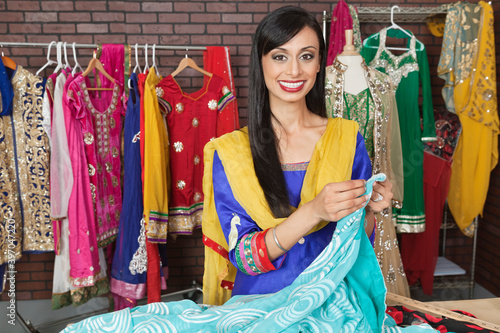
<point x="337" y="200"/>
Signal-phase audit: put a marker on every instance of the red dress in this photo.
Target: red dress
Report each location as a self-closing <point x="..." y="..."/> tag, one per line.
<point x="192" y="120"/>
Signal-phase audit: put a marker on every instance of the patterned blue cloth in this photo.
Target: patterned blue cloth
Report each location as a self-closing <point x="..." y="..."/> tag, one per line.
<point x="341" y="291"/>
<point x="6" y="91"/>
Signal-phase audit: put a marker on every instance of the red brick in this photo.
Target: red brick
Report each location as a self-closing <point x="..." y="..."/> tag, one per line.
<point x="47" y="256"/>
<point x="189" y="7"/>
<point x="2" y="5"/>
<point x="110" y="39"/>
<point x="23" y="295"/>
<point x="205" y="40"/>
<point x="157" y="7"/>
<point x="142" y="39"/>
<point x="182" y="262"/>
<point x="108" y="17"/>
<point x="46" y="294"/>
<point x="58" y="28"/>
<point x="244" y="29"/>
<point x="314" y="8"/>
<point x="205" y="18"/>
<point x="221" y="29"/>
<point x="60" y="6"/>
<point x="253" y="7"/>
<point x="244" y="50"/>
<point x="221" y="7"/>
<point x="30" y="286"/>
<point x="29" y="266"/>
<point x="40" y="17"/>
<point x="237" y="18"/>
<point x="189" y="28"/>
<point x="74" y="17"/>
<point x="192" y="271"/>
<point x="23" y="5"/>
<point x="237" y="40"/>
<point x="126" y="6"/>
<point x="142" y="18"/>
<point x="49" y="266"/>
<point x="79" y="39"/>
<point x="92" y="28"/>
<point x="15" y="17"/>
<point x="23" y="28"/>
<point x="194" y="251"/>
<point x="157" y="28"/>
<point x="90" y="5"/>
<point x="125" y="28"/>
<point x="42" y="276"/>
<point x="174" y="18"/>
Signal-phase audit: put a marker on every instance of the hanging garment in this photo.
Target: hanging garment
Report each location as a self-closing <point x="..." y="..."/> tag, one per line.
<point x="459" y="49"/>
<point x="342" y="290"/>
<point x="408" y="72"/>
<point x="79" y="268"/>
<point x="420" y="251"/>
<point x="375" y="110"/>
<point x="6" y="92"/>
<point x="476" y="155"/>
<point x="128" y="278"/>
<point x="24" y="171"/>
<point x="155" y="159"/>
<point x="216" y="60"/>
<point x="344" y="17"/>
<point x="192" y="120"/>
<point x="101" y="124"/>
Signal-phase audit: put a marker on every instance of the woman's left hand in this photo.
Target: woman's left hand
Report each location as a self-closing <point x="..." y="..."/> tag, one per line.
<point x="381" y="196"/>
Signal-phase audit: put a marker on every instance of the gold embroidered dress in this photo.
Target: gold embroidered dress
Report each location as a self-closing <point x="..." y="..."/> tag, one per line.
<point x="25" y="223"/>
<point x="375" y="111"/>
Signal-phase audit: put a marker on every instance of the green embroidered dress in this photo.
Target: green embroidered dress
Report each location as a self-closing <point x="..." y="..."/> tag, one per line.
<point x="408" y="72"/>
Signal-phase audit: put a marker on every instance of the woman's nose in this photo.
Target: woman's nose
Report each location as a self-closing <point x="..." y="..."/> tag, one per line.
<point x="294" y="68"/>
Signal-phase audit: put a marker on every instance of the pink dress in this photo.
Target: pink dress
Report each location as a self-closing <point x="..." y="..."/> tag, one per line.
<point x="100" y="116"/>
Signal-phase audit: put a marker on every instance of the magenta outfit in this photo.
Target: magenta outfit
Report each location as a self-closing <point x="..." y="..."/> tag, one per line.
<point x="101" y="122"/>
<point x="84" y="258"/>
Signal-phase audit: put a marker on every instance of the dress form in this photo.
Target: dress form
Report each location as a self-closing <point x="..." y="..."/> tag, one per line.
<point x="355" y="81"/>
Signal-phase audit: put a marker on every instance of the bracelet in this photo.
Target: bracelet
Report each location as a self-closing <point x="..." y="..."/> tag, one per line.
<point x="277" y="242"/>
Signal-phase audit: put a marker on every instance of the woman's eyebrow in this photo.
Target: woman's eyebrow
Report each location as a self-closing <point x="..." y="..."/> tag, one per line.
<point x="302" y="49"/>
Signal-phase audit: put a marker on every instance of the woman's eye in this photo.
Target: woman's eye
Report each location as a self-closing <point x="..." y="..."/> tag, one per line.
<point x="307" y="56"/>
<point x="279" y="57"/>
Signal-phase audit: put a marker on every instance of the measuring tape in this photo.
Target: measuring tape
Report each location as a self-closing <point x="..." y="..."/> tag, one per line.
<point x="427" y="308"/>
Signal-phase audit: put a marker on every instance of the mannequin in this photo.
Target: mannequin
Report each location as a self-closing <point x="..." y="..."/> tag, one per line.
<point x="355" y="81"/>
<point x="360" y="93"/>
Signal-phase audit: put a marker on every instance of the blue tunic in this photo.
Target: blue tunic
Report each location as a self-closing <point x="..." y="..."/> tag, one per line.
<point x="298" y="258"/>
<point x="123" y="282"/>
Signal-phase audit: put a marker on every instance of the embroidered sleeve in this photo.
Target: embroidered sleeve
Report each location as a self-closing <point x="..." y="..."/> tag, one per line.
<point x="239" y="229"/>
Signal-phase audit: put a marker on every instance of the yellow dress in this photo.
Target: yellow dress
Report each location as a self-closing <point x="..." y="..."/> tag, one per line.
<point x="477" y="150"/>
<point x="156" y="164"/>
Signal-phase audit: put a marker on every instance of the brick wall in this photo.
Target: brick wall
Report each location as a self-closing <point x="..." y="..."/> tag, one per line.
<point x="202" y="23"/>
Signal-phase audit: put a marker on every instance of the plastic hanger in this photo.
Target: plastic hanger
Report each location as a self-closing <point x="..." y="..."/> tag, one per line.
<point x="66" y="62"/>
<point x="137" y="66"/>
<point x="8" y="62"/>
<point x="49" y="62"/>
<point x="77" y="65"/>
<point x="154" y="60"/>
<point x="146" y="66"/>
<point x="60" y="64"/>
<point x="97" y="64"/>
<point x="188" y="62"/>
<point x="395" y="27"/>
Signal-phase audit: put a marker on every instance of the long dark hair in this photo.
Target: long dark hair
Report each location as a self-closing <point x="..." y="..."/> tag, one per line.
<point x="276" y="29"/>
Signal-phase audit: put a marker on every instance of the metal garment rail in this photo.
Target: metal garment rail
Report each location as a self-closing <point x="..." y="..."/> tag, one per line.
<point x="93" y="46"/>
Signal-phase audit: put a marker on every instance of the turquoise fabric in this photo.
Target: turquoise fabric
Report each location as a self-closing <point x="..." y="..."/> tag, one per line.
<point x="341" y="291"/>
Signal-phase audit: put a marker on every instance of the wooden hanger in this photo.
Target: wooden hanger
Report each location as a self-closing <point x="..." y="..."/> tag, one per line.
<point x="96" y="64"/>
<point x="8" y="62"/>
<point x="188" y="62"/>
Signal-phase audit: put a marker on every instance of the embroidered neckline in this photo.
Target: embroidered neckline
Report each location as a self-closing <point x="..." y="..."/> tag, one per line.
<point x="88" y="100"/>
<point x="300" y="166"/>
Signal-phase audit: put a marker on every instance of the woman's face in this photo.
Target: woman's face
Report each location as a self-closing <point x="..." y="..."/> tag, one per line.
<point x="290" y="69"/>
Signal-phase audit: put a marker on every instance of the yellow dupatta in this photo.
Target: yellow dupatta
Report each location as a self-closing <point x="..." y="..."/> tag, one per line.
<point x="331" y="161"/>
<point x="476" y="154"/>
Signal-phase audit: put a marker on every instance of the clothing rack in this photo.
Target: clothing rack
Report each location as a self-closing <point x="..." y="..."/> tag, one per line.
<point x="94" y="46"/>
<point x="383" y="15"/>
